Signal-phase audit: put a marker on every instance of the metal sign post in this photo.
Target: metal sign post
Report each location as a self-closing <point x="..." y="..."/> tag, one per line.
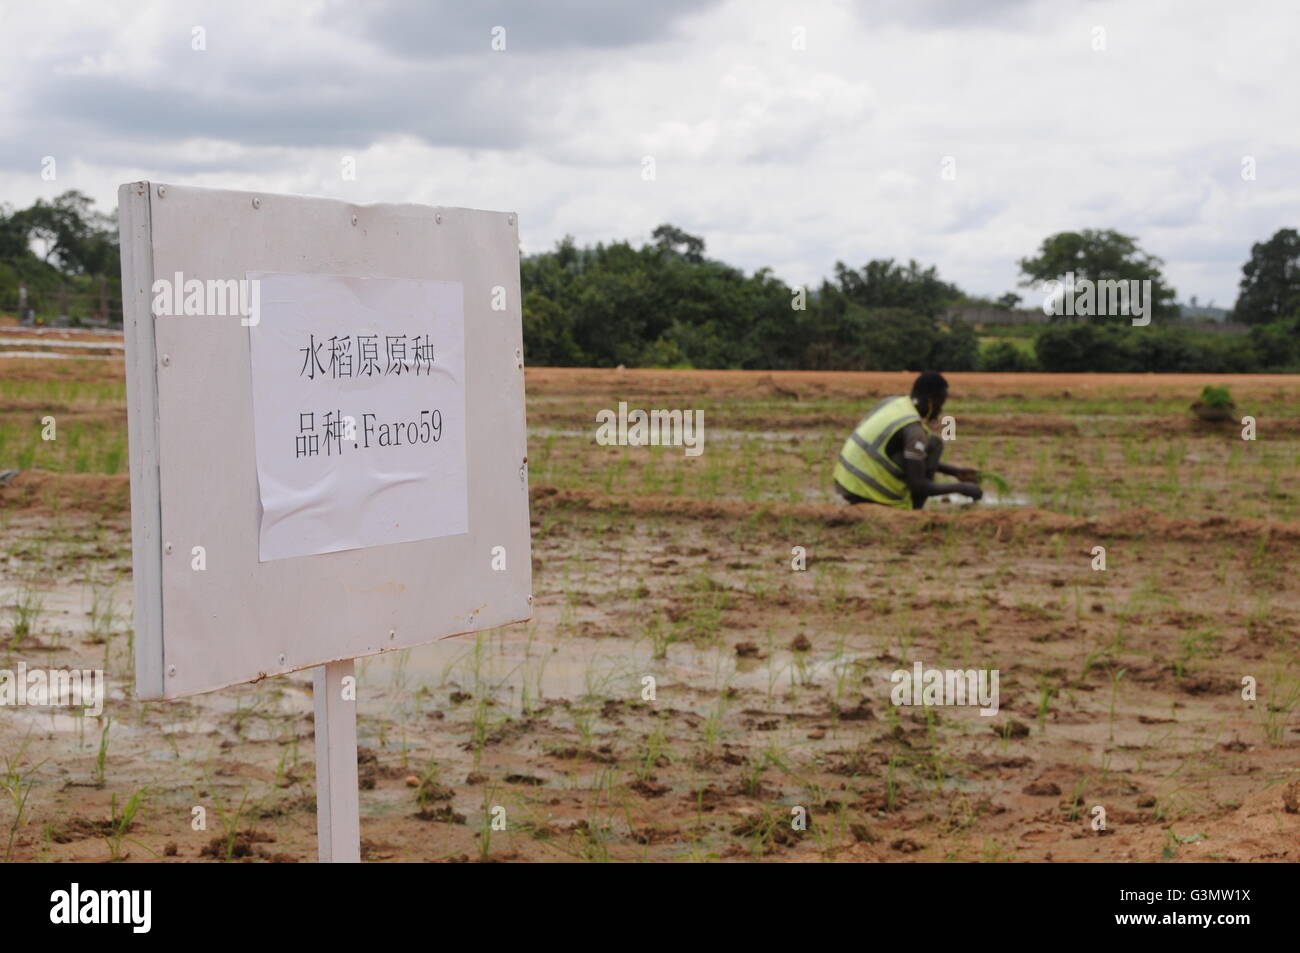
<point x="338" y="827"/>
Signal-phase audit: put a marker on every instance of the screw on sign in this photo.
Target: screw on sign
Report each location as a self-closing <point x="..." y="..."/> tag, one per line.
<point x="420" y="490"/>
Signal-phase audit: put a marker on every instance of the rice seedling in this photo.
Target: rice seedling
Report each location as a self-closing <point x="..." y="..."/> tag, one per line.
<point x="101" y="756"/>
<point x="17" y="782"/>
<point x="660" y="635"/>
<point x="993" y="851"/>
<point x="1076" y="798"/>
<point x="230" y="820"/>
<point x="1192" y="646"/>
<point x="1114" y="695"/>
<point x="492" y="817"/>
<point x="26" y="609"/>
<point x="1046" y="691"/>
<point x="891" y="786"/>
<point x="120" y="823"/>
<point x="1275" y="712"/>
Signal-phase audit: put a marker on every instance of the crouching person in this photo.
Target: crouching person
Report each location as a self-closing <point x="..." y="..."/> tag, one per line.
<point x="892" y="458"/>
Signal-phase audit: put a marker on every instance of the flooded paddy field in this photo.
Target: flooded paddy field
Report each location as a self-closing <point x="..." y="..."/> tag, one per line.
<point x="715" y="643"/>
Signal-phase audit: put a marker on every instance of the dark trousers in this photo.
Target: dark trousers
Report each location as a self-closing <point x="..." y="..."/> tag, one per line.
<point x="933" y="451"/>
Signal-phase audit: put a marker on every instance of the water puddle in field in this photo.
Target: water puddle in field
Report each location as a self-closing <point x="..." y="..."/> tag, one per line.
<point x="509" y="670"/>
<point x="989" y="499"/>
<point x="717" y="433"/>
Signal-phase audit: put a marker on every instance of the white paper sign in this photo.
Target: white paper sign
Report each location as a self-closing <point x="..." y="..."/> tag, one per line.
<point x="359" y="412"/>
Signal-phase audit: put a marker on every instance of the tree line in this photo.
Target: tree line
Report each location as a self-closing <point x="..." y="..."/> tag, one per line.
<point x="65" y="254"/>
<point x="667" y="304"/>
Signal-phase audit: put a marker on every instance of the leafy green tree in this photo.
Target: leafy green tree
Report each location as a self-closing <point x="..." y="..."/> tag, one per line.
<point x="548" y="333"/>
<point x="1120" y="348"/>
<point x="1004" y="357"/>
<point x="1277" y="344"/>
<point x="78" y="240"/>
<point x="890" y="339"/>
<point x="1270" y="284"/>
<point x="14" y="241"/>
<point x="674" y="240"/>
<point x="882" y="284"/>
<point x="1074" y="348"/>
<point x="955" y="348"/>
<point x="662" y="304"/>
<point x="885" y="316"/>
<point x="1100" y="255"/>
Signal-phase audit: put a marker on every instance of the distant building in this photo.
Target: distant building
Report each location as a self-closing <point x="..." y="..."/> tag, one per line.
<point x="1202" y="312"/>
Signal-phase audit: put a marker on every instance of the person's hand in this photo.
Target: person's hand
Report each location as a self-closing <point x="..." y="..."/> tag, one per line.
<point x="972" y="490"/>
<point x="967" y="474"/>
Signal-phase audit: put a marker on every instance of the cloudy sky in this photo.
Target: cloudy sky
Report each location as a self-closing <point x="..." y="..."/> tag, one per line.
<point x="786" y="134"/>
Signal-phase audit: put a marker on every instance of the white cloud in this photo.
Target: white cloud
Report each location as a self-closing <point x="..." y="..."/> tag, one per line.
<point x="777" y="156"/>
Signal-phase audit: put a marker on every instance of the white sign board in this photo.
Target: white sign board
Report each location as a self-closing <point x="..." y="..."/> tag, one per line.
<point x="359" y="408"/>
<point x="405" y="517"/>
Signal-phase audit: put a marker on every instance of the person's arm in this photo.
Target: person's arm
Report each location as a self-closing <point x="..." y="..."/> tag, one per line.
<point x="967" y="474"/>
<point x="914" y="457"/>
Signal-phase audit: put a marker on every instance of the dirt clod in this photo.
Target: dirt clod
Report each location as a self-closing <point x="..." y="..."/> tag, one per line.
<point x="1042" y="789"/>
<point x="1291" y="797"/>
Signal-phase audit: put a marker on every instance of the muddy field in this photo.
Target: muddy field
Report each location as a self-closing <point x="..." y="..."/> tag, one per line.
<point x="1120" y="689"/>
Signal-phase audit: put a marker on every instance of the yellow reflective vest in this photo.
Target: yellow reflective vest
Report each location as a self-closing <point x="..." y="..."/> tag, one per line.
<point x="863" y="469"/>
